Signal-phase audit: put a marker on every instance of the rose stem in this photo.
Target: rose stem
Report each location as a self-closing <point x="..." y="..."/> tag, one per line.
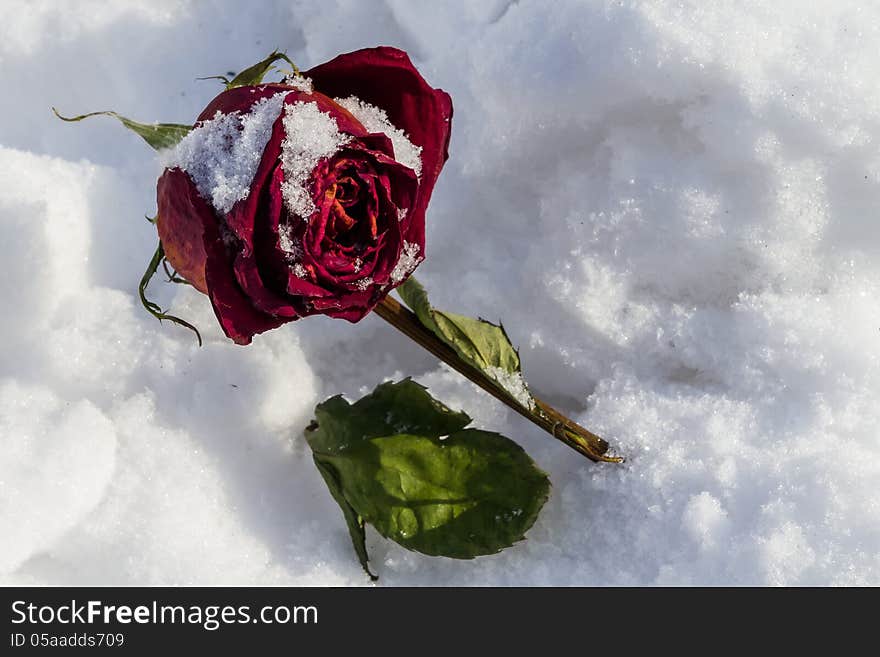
<point x="545" y="416"/>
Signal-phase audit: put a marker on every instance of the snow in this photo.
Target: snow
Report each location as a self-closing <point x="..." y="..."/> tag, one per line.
<point x="300" y="83"/>
<point x="290" y="244"/>
<point x="375" y="119"/>
<point x="407" y="263"/>
<point x="309" y="136"/>
<point x="222" y="154"/>
<point x="513" y="384"/>
<point x="671" y="205"/>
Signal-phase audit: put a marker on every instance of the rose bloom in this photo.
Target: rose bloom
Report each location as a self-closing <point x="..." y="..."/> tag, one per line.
<point x="309" y="196"/>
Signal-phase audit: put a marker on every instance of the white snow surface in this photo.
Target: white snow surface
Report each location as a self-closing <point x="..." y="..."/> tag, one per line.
<point x="672" y="205"/>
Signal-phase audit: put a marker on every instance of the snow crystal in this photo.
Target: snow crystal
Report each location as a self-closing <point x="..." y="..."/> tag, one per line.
<point x="222" y="154"/>
<point x="513" y="384"/>
<point x="309" y="136"/>
<point x="288" y="243"/>
<point x="300" y="83"/>
<point x="375" y="119"/>
<point x="363" y="283"/>
<point x="406" y="265"/>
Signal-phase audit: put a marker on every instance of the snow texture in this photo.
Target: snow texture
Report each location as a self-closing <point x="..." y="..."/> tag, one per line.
<point x="407" y="263"/>
<point x="375" y="119"/>
<point x="672" y="205"/>
<point x="300" y="83"/>
<point x="222" y="154"/>
<point x="513" y="384"/>
<point x="309" y="136"/>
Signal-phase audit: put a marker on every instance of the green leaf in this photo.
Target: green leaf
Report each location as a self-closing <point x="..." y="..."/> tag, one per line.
<point x="482" y="344"/>
<point x="222" y="79"/>
<point x="152" y="307"/>
<point x="435" y="487"/>
<point x="254" y="74"/>
<point x="157" y="135"/>
<point x="392" y="408"/>
<point x="352" y="519"/>
<point x="470" y="494"/>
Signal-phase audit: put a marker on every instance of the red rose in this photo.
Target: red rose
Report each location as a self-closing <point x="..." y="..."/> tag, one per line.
<point x="307" y="197"/>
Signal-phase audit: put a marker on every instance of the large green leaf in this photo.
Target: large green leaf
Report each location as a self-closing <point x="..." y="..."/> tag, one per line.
<point x="469" y="494"/>
<point x="352" y="519"/>
<point x="434" y="487"/>
<point x="392" y="408"/>
<point x="482" y="344"/>
<point x="254" y="74"/>
<point x="157" y="135"/>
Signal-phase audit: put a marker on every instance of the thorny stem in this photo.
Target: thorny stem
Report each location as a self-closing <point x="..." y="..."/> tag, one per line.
<point x="545" y="416"/>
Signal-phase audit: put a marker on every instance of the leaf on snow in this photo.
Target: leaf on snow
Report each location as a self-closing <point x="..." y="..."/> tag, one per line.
<point x="404" y="463"/>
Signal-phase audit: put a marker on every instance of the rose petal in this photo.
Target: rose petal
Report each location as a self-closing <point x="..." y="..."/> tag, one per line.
<point x="345" y="120"/>
<point x="387" y="183"/>
<point x="352" y="307"/>
<point x="241" y="217"/>
<point x="305" y="288"/>
<point x="404" y="185"/>
<point x="274" y="262"/>
<point x="247" y="286"/>
<point x="248" y="276"/>
<point x="241" y="99"/>
<point x="182" y="213"/>
<point x="242" y="220"/>
<point x="386" y="78"/>
<point x="238" y="317"/>
<point x="378" y="142"/>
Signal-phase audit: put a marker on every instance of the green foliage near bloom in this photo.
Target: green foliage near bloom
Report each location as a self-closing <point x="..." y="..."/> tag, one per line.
<point x="392" y="408"/>
<point x="404" y="463"/>
<point x="482" y="344"/>
<point x="151" y="306"/>
<point x="166" y="135"/>
<point x="255" y="74"/>
<point x="157" y="135"/>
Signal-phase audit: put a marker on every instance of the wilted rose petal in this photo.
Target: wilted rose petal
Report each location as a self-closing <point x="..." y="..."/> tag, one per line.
<point x="290" y="200"/>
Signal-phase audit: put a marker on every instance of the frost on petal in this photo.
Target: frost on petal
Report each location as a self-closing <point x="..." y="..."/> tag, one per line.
<point x="289" y="243"/>
<point x="300" y="83"/>
<point x="409" y="259"/>
<point x="310" y="135"/>
<point x="363" y="283"/>
<point x="375" y="119"/>
<point x="222" y="154"/>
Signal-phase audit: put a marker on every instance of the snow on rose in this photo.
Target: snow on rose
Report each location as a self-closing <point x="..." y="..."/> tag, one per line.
<point x="307" y="196"/>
